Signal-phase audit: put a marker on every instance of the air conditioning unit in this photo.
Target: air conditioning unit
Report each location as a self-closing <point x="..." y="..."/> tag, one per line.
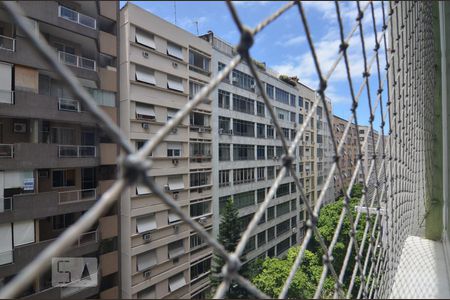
<point x="220" y="130"/>
<point x="145" y="125"/>
<point x="175" y="196"/>
<point x="234" y="79"/>
<point x="202" y="220"/>
<point x="201" y="130"/>
<point x="230" y="132"/>
<point x="145" y="54"/>
<point x="175" y="65"/>
<point x="166" y="188"/>
<point x="146" y="237"/>
<point x="176" y="260"/>
<point x="253" y="86"/>
<point x="175" y="161"/>
<point x="176" y="228"/>
<point x="147" y="274"/>
<point x="20" y="127"/>
<point x="294" y="229"/>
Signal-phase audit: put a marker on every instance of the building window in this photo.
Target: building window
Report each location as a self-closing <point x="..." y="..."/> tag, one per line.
<point x="174" y="150"/>
<point x="241" y="176"/>
<point x="293" y="132"/>
<point x="270" y="132"/>
<point x="175" y="83"/>
<point x="145" y="112"/>
<point x="197" y="242"/>
<point x="270" y="152"/>
<point x="279" y="151"/>
<point x="281" y="96"/>
<point x="306" y="106"/>
<point x="293" y="187"/>
<point x="200" y="149"/>
<point x="171" y="113"/>
<point x="200" y="209"/>
<point x="224" y="124"/>
<point x="260" y="195"/>
<point x="300" y="101"/>
<point x="243" y="104"/>
<point x="63" y="178"/>
<point x="146" y="260"/>
<point x="282" y="114"/>
<point x="224" y="178"/>
<point x="243" y="80"/>
<point x="292" y="100"/>
<point x="201" y="269"/>
<point x="283" y="190"/>
<point x="300" y="119"/>
<point x="244" y="199"/>
<point x="283" y="209"/>
<point x="243" y="128"/>
<point x="62" y="221"/>
<point x="271" y="233"/>
<point x="198" y="62"/>
<point x="269" y="90"/>
<point x="224" y="152"/>
<point x="175" y="249"/>
<point x="194" y="88"/>
<point x="293" y="117"/>
<point x="260" y="153"/>
<point x="222" y="202"/>
<point x="261" y="238"/>
<point x="199" y="179"/>
<point x="199" y="119"/>
<point x="243" y="152"/>
<point x="285" y="132"/>
<point x="174" y="50"/>
<point x="176" y="282"/>
<point x="271" y="172"/>
<point x="319" y="112"/>
<point x="260" y="173"/>
<point x="147" y="293"/>
<point x="283" y="246"/>
<point x="260" y="109"/>
<point x="283" y="227"/>
<point x="270" y="213"/>
<point x="224" y="99"/>
<point x="260" y="130"/>
<point x="251" y="245"/>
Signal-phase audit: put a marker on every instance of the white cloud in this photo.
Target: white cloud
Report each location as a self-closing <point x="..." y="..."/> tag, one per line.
<point x="291" y="41"/>
<point x="251" y="3"/>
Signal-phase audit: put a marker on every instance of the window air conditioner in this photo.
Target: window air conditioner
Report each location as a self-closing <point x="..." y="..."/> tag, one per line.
<point x="145" y="54"/>
<point x="201" y="130"/>
<point x="175" y="196"/>
<point x="175" y="161"/>
<point x="145" y="125"/>
<point x="176" y="228"/>
<point x="220" y="130"/>
<point x="230" y="132"/>
<point x="166" y="188"/>
<point x="20" y="127"/>
<point x="202" y="220"/>
<point x="146" y="237"/>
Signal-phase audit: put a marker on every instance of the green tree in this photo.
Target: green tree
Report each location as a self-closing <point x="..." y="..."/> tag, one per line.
<point x="229" y="237"/>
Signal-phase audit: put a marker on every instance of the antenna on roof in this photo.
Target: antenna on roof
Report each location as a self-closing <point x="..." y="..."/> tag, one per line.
<point x="175" y="11"/>
<point x="196" y="24"/>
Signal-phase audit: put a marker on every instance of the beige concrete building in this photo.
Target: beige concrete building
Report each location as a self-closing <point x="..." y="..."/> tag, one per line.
<point x="349" y="156"/>
<point x="161" y="68"/>
<point x="55" y="161"/>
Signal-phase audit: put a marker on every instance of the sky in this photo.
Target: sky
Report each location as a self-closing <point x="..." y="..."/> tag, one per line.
<point x="283" y="44"/>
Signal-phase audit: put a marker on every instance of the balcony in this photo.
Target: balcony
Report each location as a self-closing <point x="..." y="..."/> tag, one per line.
<point x="76" y="151"/>
<point x="77" y="61"/>
<point x="76" y="17"/>
<point x="7" y="43"/>
<point x="77" y="196"/>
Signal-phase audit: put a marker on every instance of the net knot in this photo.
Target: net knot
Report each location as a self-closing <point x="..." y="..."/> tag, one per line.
<point x="245" y="43"/>
<point x="134" y="168"/>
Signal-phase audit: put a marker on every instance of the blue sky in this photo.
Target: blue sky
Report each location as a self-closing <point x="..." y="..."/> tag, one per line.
<point x="283" y="46"/>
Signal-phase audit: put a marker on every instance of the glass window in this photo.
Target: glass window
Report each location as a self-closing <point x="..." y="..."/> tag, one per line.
<point x="260" y="109"/>
<point x="270" y="132"/>
<point x="243" y="128"/>
<point x="243" y="152"/>
<point x="198" y="62"/>
<point x="243" y="80"/>
<point x="243" y="104"/>
<point x="269" y="90"/>
<point x="260" y="152"/>
<point x="260" y="130"/>
<point x="224" y="99"/>
<point x="224" y="152"/>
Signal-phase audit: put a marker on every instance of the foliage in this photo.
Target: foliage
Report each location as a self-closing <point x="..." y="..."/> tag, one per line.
<point x="287" y="79"/>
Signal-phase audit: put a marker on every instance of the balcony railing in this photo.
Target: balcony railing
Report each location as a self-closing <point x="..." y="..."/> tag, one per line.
<point x="76" y="151"/>
<point x="7" y="43"/>
<point x="6" y="150"/>
<point x="77" y="61"/>
<point x="6" y="204"/>
<point x="77" y="196"/>
<point x="7" y="96"/>
<point x="76" y="17"/>
<point x="65" y="104"/>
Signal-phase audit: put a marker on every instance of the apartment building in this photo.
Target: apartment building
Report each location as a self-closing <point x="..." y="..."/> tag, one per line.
<point x="347" y="161"/>
<point x="247" y="151"/>
<point x="161" y="68"/>
<point x="55" y="161"/>
<point x="368" y="152"/>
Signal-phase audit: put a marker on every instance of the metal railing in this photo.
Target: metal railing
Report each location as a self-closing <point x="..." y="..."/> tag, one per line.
<point x="77" y="61"/>
<point x="403" y="94"/>
<point x="76" y="151"/>
<point x="66" y="104"/>
<point x="77" y="196"/>
<point x="7" y="43"/>
<point x="76" y="17"/>
<point x="6" y="150"/>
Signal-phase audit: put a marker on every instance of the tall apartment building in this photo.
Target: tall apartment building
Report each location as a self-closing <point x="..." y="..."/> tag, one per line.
<point x="247" y="151"/>
<point x="368" y="152"/>
<point x="161" y="68"/>
<point x="349" y="156"/>
<point x="55" y="161"/>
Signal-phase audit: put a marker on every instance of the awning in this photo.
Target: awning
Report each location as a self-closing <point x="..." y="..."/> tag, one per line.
<point x="176" y="183"/>
<point x="176" y="282"/>
<point x="142" y="190"/>
<point x="146" y="260"/>
<point x="146" y="223"/>
<point x="148" y="293"/>
<point x="23" y="232"/>
<point x="176" y="249"/>
<point x="174" y="50"/>
<point x="145" y="39"/>
<point x="146" y="77"/>
<point x="175" y="146"/>
<point x="173" y="217"/>
<point x="175" y="84"/>
<point x="145" y="110"/>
